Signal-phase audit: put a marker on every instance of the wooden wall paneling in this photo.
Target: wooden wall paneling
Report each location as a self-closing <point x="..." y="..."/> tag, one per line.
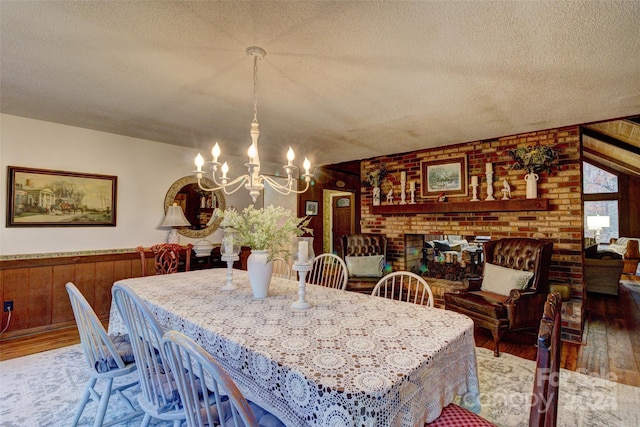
<point x="85" y="276"/>
<point x="62" y="311"/>
<point x="103" y="285"/>
<point x="122" y="269"/>
<point x="40" y="291"/>
<point x="16" y="289"/>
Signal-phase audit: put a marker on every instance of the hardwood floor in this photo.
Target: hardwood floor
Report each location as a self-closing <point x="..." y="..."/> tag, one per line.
<point x="611" y="348"/>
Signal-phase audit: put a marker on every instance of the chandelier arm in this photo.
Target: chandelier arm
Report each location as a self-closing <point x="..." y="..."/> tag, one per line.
<point x="284" y="190"/>
<point x="240" y="181"/>
<point x="274" y="184"/>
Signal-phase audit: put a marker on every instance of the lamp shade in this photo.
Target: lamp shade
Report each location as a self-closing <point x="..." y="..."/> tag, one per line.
<point x="175" y="217"/>
<point x="598" y="221"/>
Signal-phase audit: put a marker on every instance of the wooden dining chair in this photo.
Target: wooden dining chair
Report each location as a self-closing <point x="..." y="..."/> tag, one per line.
<point x="281" y="268"/>
<point x="106" y="360"/>
<point x="166" y="257"/>
<point x="158" y="396"/>
<point x="404" y="286"/>
<point x="328" y="270"/>
<point x="199" y="374"/>
<point x="544" y="400"/>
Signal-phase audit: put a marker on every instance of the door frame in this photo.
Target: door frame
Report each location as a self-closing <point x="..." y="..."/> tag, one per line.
<point x="328" y="197"/>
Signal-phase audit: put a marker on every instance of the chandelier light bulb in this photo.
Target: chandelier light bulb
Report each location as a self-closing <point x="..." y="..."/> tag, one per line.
<point x="290" y="156"/>
<point x="225" y="169"/>
<point x="252" y="153"/>
<point x="215" y="152"/>
<point x="306" y="165"/>
<point x="199" y="162"/>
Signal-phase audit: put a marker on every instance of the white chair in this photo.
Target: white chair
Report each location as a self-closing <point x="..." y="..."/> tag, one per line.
<point x="281" y="268"/>
<point x="328" y="270"/>
<point x="404" y="286"/>
<point x="103" y="359"/>
<point x="159" y="395"/>
<point x="199" y="374"/>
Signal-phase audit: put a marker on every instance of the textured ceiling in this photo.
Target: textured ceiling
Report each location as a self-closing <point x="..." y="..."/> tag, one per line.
<point x="341" y="80"/>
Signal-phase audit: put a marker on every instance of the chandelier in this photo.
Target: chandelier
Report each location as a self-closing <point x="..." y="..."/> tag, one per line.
<point x="253" y="181"/>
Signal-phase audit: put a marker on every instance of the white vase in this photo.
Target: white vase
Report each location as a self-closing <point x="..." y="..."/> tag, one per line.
<point x="376" y="196"/>
<point x="531" y="179"/>
<point x="260" y="270"/>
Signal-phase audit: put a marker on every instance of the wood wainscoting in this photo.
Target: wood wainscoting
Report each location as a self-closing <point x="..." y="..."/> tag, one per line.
<point x="36" y="285"/>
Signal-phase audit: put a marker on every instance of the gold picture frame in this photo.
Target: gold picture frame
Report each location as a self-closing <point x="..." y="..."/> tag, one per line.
<point x="53" y="198"/>
<point x="446" y="177"/>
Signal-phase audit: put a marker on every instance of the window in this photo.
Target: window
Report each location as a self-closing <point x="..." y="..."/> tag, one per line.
<point x="600" y="190"/>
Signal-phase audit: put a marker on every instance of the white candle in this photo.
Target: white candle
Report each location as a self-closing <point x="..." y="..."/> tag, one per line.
<point x="489" y="167"/>
<point x="228" y="246"/>
<point x="403" y="176"/>
<point x="412" y="185"/>
<point x="303" y="251"/>
<point x="474" y="180"/>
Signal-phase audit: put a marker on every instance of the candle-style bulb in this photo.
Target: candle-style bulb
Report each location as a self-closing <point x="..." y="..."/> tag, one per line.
<point x="225" y="169"/>
<point x="290" y="156"/>
<point x="306" y="165"/>
<point x="215" y="152"/>
<point x="199" y="162"/>
<point x="252" y="153"/>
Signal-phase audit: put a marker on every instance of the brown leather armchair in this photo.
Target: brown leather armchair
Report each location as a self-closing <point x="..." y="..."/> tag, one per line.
<point x="363" y="244"/>
<point x="521" y="308"/>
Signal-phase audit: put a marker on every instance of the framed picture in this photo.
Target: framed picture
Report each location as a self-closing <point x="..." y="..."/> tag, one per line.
<point x="51" y="198"/>
<point x="446" y="177"/>
<point x="310" y="208"/>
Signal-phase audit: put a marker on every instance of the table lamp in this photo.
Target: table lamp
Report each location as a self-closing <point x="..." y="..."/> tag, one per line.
<point x="597" y="223"/>
<point x="174" y="218"/>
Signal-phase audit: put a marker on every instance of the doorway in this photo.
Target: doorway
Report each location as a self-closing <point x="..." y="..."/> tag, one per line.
<point x="339" y="218"/>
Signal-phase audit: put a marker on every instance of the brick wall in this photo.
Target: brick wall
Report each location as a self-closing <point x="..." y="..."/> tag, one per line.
<point x="561" y="224"/>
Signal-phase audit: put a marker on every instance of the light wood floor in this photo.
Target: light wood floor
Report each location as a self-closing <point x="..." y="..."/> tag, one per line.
<point x="611" y="346"/>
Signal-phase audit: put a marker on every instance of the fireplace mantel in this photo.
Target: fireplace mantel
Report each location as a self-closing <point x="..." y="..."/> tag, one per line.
<point x="461" y="207"/>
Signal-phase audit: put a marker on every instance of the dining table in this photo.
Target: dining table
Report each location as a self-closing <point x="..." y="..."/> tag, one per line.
<point x="349" y="360"/>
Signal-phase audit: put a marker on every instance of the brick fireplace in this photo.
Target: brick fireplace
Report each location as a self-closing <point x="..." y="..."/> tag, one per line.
<point x="558" y="219"/>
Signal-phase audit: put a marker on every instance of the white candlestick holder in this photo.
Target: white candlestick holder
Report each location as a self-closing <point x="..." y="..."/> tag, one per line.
<point x="490" y="186"/>
<point x="474" y="188"/>
<point x="403" y="193"/>
<point x="302" y="268"/>
<point x="413" y="196"/>
<point x="230" y="259"/>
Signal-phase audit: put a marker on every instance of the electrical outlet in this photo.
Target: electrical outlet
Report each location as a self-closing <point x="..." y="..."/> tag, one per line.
<point x="8" y="306"/>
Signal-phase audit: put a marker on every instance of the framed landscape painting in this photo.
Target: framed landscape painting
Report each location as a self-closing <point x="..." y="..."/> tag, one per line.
<point x="51" y="198"/>
<point x="447" y="177"/>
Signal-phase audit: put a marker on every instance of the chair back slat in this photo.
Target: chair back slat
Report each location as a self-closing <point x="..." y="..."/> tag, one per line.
<point x="544" y="402"/>
<point x="404" y="286"/>
<point x="156" y="379"/>
<point x="281" y="268"/>
<point x="199" y="375"/>
<point x="328" y="270"/>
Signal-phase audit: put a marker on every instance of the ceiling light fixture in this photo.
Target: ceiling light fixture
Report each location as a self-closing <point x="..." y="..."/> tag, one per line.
<point x="253" y="181"/>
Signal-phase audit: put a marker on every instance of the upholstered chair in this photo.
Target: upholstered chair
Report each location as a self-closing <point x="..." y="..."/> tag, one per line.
<point x="365" y="255"/>
<point x="511" y="294"/>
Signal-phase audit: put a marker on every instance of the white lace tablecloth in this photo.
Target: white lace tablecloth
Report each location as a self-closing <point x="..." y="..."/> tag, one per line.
<point x="350" y="360"/>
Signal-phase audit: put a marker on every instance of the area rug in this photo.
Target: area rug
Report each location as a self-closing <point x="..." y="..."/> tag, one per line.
<point x="43" y="390"/>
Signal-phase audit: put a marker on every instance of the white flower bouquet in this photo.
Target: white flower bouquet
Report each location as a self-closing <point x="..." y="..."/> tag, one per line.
<point x="272" y="228"/>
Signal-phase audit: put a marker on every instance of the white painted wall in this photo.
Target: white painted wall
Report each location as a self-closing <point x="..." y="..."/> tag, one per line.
<point x="145" y="171"/>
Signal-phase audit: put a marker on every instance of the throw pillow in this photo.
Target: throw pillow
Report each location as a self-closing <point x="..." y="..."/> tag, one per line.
<point x="500" y="280"/>
<point x="365" y="266"/>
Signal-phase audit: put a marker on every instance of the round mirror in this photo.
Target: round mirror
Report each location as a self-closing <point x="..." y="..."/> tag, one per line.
<point x="198" y="205"/>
